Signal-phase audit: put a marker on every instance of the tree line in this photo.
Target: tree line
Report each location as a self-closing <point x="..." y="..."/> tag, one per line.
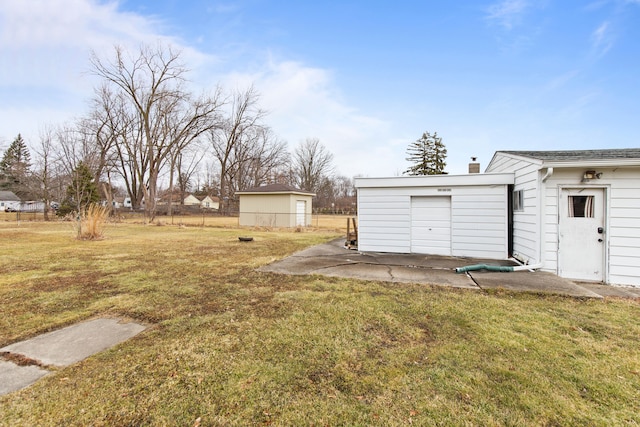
<point x="146" y="133"/>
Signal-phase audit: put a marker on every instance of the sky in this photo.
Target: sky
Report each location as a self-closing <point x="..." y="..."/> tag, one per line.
<point x="365" y="77"/>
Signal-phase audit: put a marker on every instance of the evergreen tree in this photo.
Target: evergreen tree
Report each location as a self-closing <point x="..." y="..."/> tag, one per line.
<point x="427" y="155"/>
<point x="14" y="167"/>
<point x="81" y="192"/>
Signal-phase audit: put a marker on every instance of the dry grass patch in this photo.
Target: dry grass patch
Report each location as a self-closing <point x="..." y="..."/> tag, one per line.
<point x="232" y="346"/>
<point x="333" y="223"/>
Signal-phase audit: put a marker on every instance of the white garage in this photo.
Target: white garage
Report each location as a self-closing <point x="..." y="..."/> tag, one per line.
<point x="457" y="215"/>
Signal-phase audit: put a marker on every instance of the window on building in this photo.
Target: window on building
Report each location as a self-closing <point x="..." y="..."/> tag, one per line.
<point x="518" y="200"/>
<point x="581" y="206"/>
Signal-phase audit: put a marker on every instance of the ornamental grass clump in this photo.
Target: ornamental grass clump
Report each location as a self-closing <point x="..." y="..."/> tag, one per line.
<point x="90" y="225"/>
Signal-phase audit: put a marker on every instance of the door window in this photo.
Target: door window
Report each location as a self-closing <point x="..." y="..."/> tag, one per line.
<point x="580" y="206"/>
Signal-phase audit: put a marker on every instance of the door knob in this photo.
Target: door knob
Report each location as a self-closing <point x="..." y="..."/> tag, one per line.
<point x="600" y="230"/>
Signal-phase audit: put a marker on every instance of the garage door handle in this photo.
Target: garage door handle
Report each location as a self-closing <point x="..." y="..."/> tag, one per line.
<point x="599" y="240"/>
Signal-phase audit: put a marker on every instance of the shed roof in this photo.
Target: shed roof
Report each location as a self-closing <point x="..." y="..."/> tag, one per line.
<point x="9" y="196"/>
<point x="275" y="188"/>
<point x="579" y="155"/>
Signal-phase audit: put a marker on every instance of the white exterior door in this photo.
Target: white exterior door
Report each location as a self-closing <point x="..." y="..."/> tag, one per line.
<point x="301" y="213"/>
<point x="582" y="240"/>
<point x="431" y="225"/>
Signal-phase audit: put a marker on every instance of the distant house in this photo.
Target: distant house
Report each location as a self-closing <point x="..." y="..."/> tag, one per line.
<point x="210" y="202"/>
<point x="9" y="201"/>
<point x="204" y="202"/>
<point x="32" y="206"/>
<point x="117" y="202"/>
<point x="191" y="200"/>
<point x="275" y="205"/>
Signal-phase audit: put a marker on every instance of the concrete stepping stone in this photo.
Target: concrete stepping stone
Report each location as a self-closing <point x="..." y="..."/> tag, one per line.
<point x="14" y="377"/>
<point x="62" y="348"/>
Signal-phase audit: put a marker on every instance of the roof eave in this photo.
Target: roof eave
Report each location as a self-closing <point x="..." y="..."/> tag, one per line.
<point x="436" y="180"/>
<point x="590" y="163"/>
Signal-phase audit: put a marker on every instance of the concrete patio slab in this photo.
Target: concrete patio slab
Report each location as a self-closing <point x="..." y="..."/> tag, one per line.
<point x="332" y="259"/>
<point x="398" y="274"/>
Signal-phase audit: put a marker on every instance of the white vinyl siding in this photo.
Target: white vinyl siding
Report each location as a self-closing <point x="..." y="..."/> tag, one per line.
<point x="622" y="232"/>
<point x="526" y="225"/>
<point x="478" y="219"/>
<point x="624" y="224"/>
<point x="479" y="222"/>
<point x="384" y="221"/>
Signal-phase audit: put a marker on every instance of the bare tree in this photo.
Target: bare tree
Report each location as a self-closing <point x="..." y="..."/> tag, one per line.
<point x="164" y="115"/>
<point x="229" y="141"/>
<point x="44" y="167"/>
<point x="311" y="164"/>
<point x="101" y="129"/>
<point x="260" y="159"/>
<point x="184" y="164"/>
<point x="208" y="180"/>
<point x="344" y="186"/>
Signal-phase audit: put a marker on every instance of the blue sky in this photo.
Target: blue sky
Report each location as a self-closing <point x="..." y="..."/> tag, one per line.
<point x="365" y="77"/>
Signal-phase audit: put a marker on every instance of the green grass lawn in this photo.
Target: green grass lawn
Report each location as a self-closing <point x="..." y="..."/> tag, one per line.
<point x="232" y="346"/>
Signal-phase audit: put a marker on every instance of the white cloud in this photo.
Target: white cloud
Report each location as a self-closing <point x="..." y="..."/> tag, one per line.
<point x="47" y="43"/>
<point x="47" y="38"/>
<point x="304" y="102"/>
<point x="507" y="13"/>
<point x="72" y="25"/>
<point x="45" y="46"/>
<point x="602" y="39"/>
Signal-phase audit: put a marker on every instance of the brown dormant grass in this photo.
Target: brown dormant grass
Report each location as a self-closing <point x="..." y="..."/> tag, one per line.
<point x="228" y="345"/>
<point x="336" y="223"/>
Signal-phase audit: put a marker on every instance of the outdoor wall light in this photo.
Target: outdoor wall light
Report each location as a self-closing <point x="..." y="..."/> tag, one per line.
<point x="589" y="175"/>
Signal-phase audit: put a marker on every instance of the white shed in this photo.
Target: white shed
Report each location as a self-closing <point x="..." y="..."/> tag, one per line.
<point x="275" y="205"/>
<point x="458" y="215"/>
<point x="576" y="213"/>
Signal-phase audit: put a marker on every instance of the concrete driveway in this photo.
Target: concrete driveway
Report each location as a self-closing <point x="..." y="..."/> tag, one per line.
<point x="332" y="259"/>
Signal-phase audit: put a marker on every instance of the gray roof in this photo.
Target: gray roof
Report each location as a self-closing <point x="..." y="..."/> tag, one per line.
<point x="275" y="188"/>
<point x="9" y="196"/>
<point x="576" y="155"/>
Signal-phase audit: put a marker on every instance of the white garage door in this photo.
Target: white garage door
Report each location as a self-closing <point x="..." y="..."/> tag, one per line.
<point x="301" y="213"/>
<point x="431" y="225"/>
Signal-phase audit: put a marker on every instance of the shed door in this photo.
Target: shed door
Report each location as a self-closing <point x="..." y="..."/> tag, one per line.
<point x="582" y="234"/>
<point x="301" y="213"/>
<point x="431" y="225"/>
